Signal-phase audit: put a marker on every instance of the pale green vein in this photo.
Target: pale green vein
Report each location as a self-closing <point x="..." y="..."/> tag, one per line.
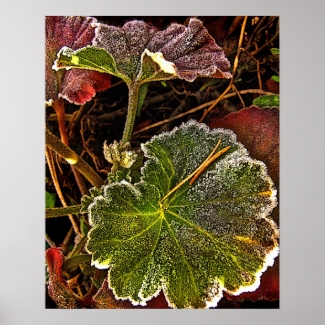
<point x="167" y="176"/>
<point x="214" y="239"/>
<point x="186" y="153"/>
<point x="92" y="64"/>
<point x="183" y="255"/>
<point x="128" y="202"/>
<point x="144" y="257"/>
<point x="109" y="240"/>
<point x="167" y="159"/>
<point x="115" y="214"/>
<point x="138" y="234"/>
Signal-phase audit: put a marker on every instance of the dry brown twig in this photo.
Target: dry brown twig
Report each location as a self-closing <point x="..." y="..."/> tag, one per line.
<point x="195" y="109"/>
<point x="238" y="94"/>
<point x="85" y="143"/>
<point x="241" y="37"/>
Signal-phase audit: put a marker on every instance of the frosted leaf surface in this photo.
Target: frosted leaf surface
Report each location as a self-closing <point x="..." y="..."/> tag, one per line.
<point x="213" y="236"/>
<point x="75" y="86"/>
<point x="138" y="52"/>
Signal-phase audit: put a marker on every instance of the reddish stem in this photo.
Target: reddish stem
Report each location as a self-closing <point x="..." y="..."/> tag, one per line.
<point x="59" y="108"/>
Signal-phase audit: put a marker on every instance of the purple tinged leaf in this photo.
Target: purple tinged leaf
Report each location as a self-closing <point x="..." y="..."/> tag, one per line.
<point x="191" y="50"/>
<point x="125" y="44"/>
<point x="75" y="32"/>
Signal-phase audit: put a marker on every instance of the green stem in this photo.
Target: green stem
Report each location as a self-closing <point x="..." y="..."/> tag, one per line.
<point x="71" y="157"/>
<point x="75" y="261"/>
<point x="64" y="211"/>
<point x="132" y="111"/>
<point x="79" y="247"/>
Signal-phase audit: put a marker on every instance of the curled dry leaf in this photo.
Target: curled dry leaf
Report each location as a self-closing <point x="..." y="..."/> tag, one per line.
<point x="58" y="288"/>
<point x="65" y="298"/>
<point x="75" y="32"/>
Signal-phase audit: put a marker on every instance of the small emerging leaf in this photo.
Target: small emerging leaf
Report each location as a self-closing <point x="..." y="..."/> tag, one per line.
<point x="275" y="51"/>
<point x="87" y="199"/>
<point x="267" y="100"/>
<point x="119" y="155"/>
<point x="213" y="236"/>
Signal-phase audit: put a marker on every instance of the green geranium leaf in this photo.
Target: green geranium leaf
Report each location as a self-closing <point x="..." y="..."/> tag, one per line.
<point x="212" y="236"/>
<point x="89" y="57"/>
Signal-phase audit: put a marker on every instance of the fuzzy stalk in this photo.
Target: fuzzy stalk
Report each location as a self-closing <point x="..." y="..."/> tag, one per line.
<point x="132" y="111"/>
<point x="62" y="211"/>
<point x="70" y="156"/>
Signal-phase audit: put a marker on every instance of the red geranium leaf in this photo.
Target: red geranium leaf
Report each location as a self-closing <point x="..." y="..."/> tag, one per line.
<point x="193" y="51"/>
<point x="258" y="130"/>
<point x="58" y="288"/>
<point x="80" y="86"/>
<point x="74" y="32"/>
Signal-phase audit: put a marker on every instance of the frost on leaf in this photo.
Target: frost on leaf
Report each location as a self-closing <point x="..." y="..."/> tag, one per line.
<point x="213" y="236"/>
<point x="75" y="86"/>
<point x="137" y="52"/>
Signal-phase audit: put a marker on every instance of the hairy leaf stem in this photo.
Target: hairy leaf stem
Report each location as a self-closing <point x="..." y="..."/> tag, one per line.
<point x="62" y="211"/>
<point x="70" y="156"/>
<point x="132" y="111"/>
